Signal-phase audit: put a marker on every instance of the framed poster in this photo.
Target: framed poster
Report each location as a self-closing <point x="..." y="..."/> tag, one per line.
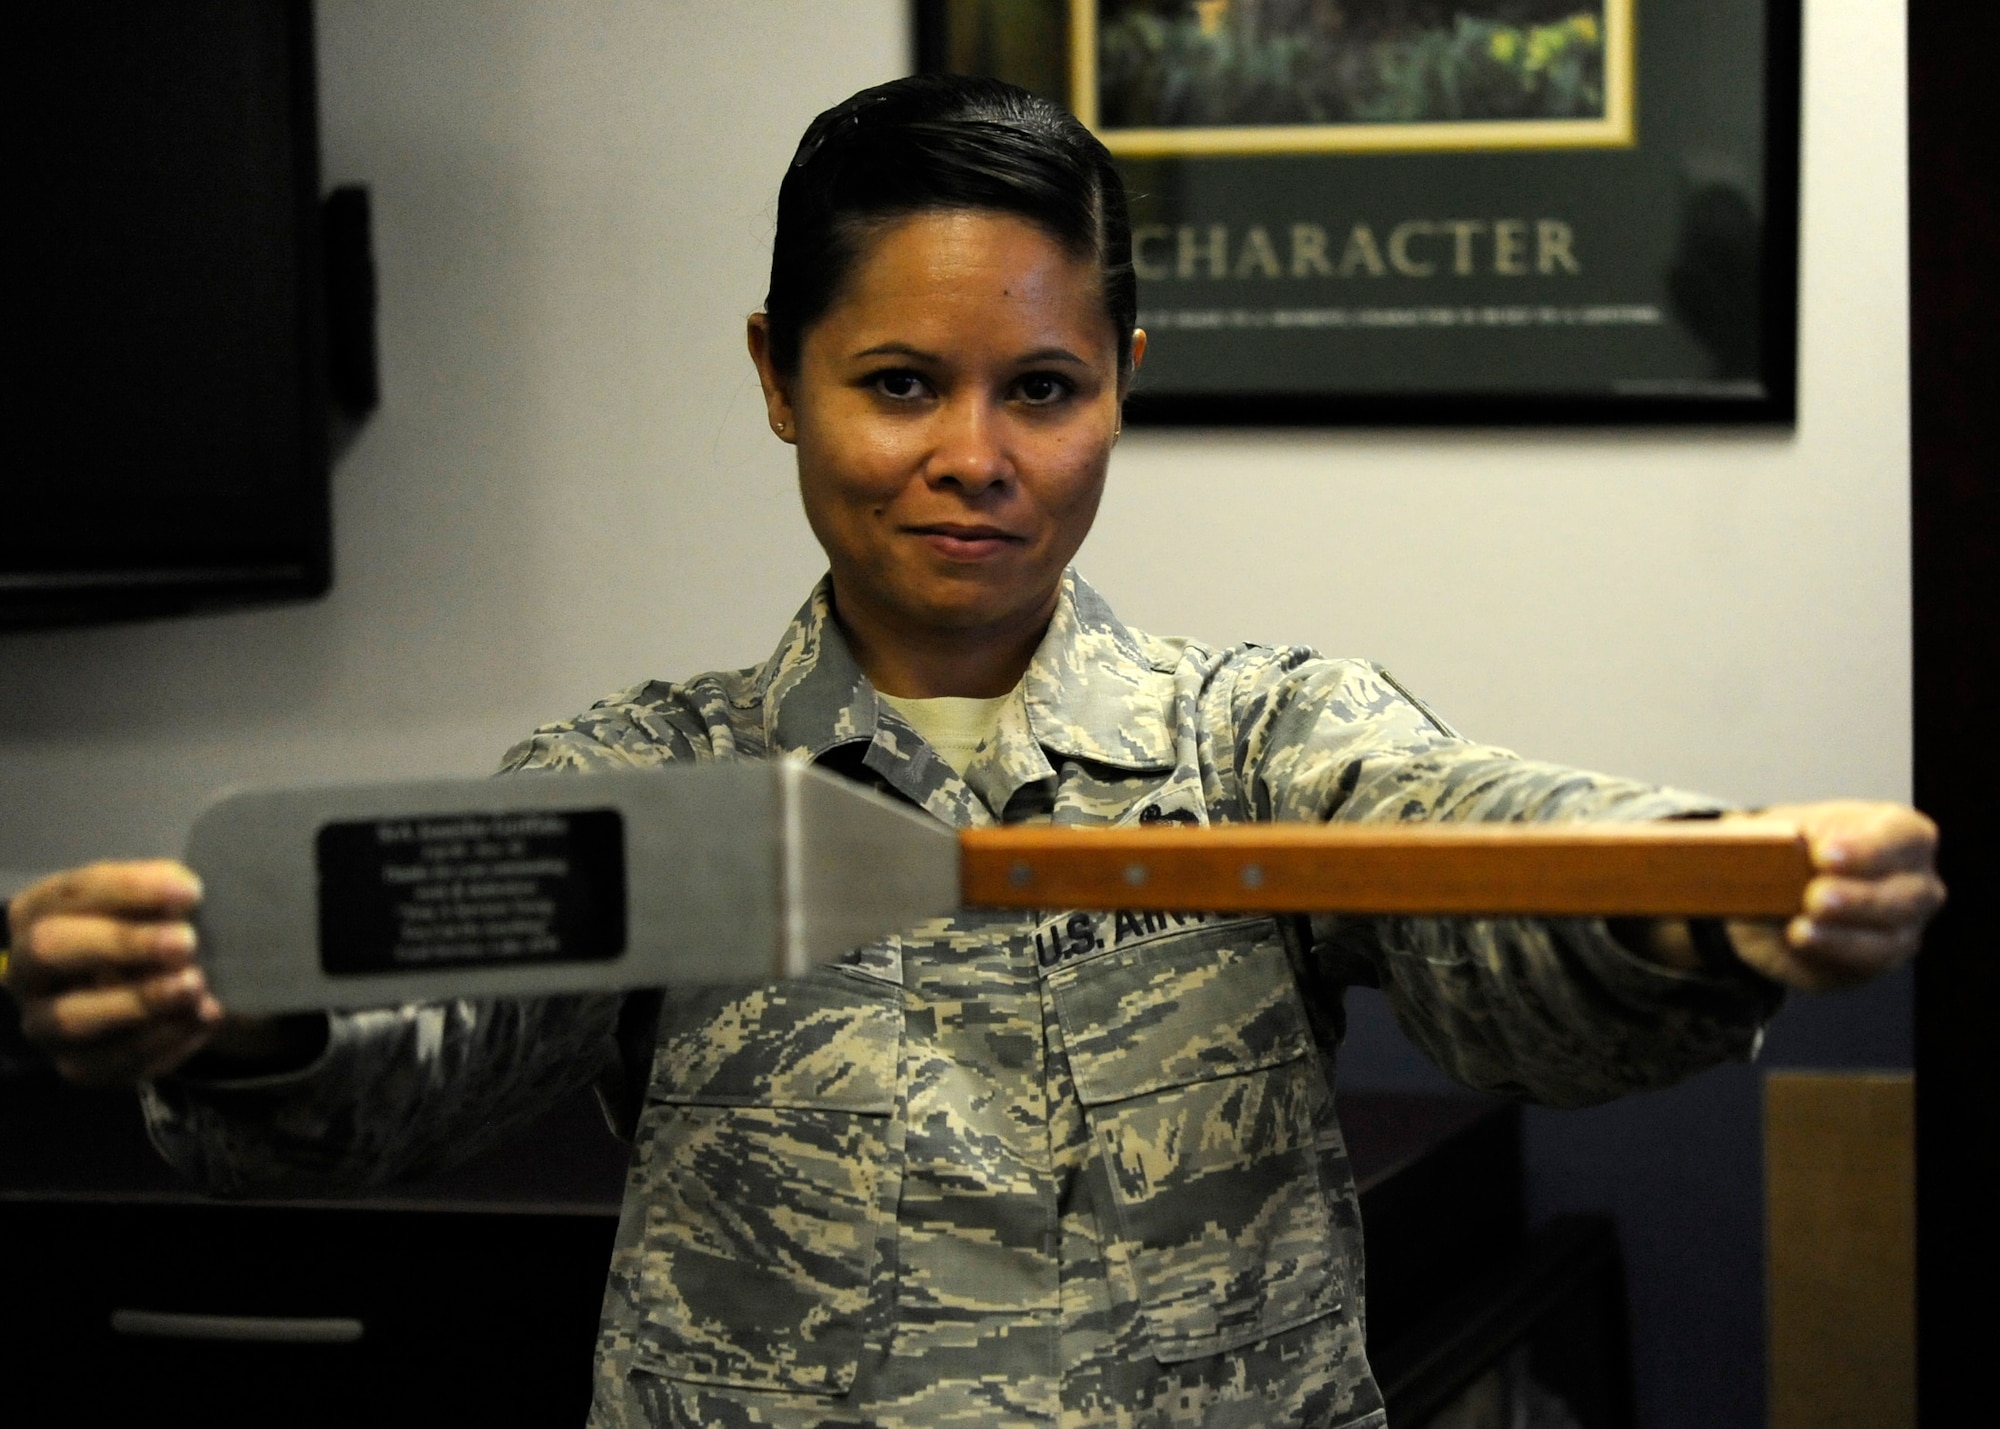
<point x="1436" y="211"/>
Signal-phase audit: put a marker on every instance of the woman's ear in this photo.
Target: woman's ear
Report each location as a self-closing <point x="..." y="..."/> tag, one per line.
<point x="777" y="399"/>
<point x="1131" y="370"/>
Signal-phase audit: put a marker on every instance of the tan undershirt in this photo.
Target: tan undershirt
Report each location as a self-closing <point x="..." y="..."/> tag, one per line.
<point x="952" y="725"/>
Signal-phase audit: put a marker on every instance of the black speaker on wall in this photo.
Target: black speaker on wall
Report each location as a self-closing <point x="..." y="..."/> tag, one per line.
<point x="193" y="324"/>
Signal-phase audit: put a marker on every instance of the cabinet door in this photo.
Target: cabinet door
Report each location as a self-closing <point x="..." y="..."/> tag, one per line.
<point x="114" y="1312"/>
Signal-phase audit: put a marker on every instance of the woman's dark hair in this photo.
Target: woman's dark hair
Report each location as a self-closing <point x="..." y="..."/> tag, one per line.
<point x="935" y="142"/>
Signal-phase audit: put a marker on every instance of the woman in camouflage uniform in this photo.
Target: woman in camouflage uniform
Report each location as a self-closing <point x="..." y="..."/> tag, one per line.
<point x="1063" y="1168"/>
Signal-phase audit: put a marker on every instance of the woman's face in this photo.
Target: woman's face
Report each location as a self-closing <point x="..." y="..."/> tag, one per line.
<point x="953" y="413"/>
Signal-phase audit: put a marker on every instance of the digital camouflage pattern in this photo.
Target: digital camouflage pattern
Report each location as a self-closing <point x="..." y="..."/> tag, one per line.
<point x="1012" y="1169"/>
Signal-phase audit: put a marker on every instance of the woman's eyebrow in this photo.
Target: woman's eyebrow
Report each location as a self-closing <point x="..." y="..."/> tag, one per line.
<point x="904" y="349"/>
<point x="896" y="349"/>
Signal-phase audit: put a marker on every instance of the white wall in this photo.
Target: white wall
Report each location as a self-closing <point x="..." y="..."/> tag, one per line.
<point x="571" y="487"/>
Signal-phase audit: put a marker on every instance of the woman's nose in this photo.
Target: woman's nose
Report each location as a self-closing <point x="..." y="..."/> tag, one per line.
<point x="970" y="451"/>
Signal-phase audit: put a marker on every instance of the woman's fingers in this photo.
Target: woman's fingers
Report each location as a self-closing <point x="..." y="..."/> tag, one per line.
<point x="109" y="1036"/>
<point x="1857" y="928"/>
<point x="101" y="961"/>
<point x="1864" y="951"/>
<point x="1857" y="838"/>
<point x="1840" y="956"/>
<point x="59" y="950"/>
<point x="1864" y="912"/>
<point x="1866" y="840"/>
<point x="1823" y="961"/>
<point x="1894" y="900"/>
<point x="139" y="888"/>
<point x="99" y="922"/>
<point x="89" y="1014"/>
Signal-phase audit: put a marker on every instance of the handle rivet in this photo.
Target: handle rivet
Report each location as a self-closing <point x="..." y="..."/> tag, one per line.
<point x="1135" y="874"/>
<point x="1020" y="875"/>
<point x="1253" y="875"/>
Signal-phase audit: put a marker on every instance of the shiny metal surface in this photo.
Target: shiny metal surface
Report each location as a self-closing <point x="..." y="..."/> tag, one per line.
<point x="734" y="873"/>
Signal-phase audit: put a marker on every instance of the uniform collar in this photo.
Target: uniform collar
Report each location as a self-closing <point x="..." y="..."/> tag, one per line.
<point x="1094" y="692"/>
<point x="1091" y="692"/>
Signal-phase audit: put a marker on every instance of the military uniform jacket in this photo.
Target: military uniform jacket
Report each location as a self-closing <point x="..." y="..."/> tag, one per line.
<point x="1012" y="1169"/>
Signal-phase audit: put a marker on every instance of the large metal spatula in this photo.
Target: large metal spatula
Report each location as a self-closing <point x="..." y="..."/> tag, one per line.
<point x="354" y="896"/>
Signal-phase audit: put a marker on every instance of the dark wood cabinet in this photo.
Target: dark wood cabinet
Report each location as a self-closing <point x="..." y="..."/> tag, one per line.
<point x="121" y="1311"/>
<point x="125" y="1297"/>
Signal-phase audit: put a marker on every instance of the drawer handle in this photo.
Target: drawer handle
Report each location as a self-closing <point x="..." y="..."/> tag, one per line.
<point x="268" y="1329"/>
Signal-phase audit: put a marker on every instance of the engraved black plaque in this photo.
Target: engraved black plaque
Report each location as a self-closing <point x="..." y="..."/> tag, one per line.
<point x="439" y="891"/>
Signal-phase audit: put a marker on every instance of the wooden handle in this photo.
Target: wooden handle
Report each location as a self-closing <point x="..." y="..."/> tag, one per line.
<point x="1658" y="869"/>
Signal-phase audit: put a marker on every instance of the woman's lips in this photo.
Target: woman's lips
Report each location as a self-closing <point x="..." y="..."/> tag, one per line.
<point x="965" y="543"/>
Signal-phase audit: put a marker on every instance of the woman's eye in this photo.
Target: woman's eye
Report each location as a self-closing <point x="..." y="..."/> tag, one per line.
<point x="900" y="385"/>
<point x="1040" y="389"/>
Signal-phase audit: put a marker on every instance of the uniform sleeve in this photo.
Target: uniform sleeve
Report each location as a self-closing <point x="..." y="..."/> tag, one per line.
<point x="1554" y="1010"/>
<point x="399" y="1091"/>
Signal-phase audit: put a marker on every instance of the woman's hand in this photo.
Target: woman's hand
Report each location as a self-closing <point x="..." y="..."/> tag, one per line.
<point x="1874" y="887"/>
<point x="101" y="961"/>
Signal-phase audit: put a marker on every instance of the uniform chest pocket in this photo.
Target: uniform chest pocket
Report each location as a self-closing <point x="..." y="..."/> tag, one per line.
<point x="1193" y="1059"/>
<point x="768" y="1166"/>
